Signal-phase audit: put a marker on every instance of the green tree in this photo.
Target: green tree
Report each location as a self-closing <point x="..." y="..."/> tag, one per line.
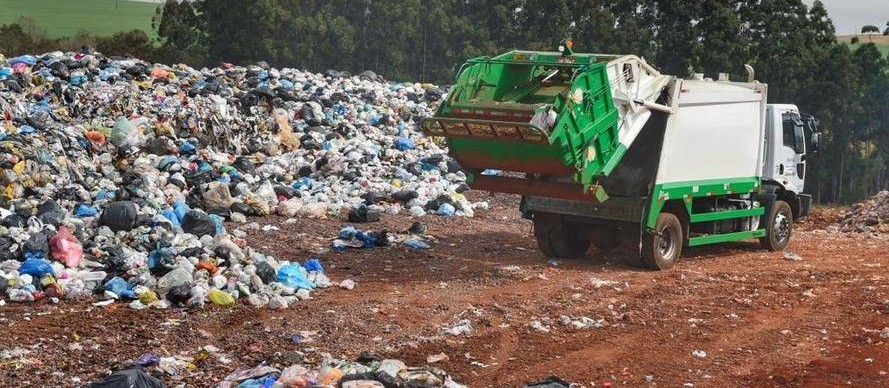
<point x="870" y="29"/>
<point x="181" y="31"/>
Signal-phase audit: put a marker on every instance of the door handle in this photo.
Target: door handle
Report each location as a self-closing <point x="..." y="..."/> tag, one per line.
<point x="781" y="168"/>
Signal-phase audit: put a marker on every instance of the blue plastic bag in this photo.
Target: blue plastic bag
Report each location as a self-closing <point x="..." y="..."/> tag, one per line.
<point x="403" y="143"/>
<point x="180" y="208"/>
<point x="301" y="183"/>
<point x="187" y="148"/>
<point x="292" y="275"/>
<point x="446" y="210"/>
<point x="120" y="287"/>
<point x="29" y="60"/>
<point x="171" y="215"/>
<point x="84" y="210"/>
<point x="416" y="244"/>
<point x="313" y="264"/>
<point x="220" y="228"/>
<point x="36" y="268"/>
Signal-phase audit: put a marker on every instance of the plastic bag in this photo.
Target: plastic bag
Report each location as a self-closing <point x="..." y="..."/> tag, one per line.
<point x="65" y="248"/>
<point x="131" y="377"/>
<point x="198" y="223"/>
<point x="221" y="298"/>
<point x="293" y="275"/>
<point x="120" y="216"/>
<point x="217" y="195"/>
<point x="36" y="268"/>
<point x="120" y="287"/>
<point x="84" y="210"/>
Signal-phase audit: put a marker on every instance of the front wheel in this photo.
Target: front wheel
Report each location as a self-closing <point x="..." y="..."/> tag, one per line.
<point x="662" y="248"/>
<point x="779" y="227"/>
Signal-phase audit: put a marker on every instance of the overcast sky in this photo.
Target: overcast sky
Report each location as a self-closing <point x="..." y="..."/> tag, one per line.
<point x="849" y="15"/>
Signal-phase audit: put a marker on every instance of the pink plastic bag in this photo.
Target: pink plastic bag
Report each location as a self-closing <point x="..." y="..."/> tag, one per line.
<point x="65" y="248"/>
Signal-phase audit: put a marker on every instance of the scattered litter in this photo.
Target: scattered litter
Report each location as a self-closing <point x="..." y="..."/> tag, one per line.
<point x="790" y="256"/>
<point x="539" y="326"/>
<point x="463" y="327"/>
<point x="699" y="353"/>
<point x="437" y="358"/>
<point x="581" y="322"/>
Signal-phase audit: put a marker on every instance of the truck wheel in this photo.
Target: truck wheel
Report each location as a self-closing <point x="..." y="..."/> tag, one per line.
<point x="779" y="226"/>
<point x="559" y="238"/>
<point x="605" y="238"/>
<point x="660" y="250"/>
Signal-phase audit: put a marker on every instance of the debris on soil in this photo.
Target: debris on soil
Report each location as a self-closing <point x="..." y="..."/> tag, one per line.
<point x="581" y="322"/>
<point x="463" y="327"/>
<point x="791" y="256"/>
<point x="699" y="353"/>
<point x="870" y="215"/>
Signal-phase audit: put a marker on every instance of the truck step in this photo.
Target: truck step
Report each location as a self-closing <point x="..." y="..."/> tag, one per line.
<point x="718" y="238"/>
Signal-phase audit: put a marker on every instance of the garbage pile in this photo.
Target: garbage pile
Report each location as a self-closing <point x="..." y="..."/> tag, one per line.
<point x="316" y="369"/>
<point x="871" y="215"/>
<point x="117" y="174"/>
<point x="369" y="371"/>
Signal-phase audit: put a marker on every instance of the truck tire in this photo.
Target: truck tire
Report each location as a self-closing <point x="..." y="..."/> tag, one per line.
<point x="559" y="238"/>
<point x="605" y="238"/>
<point x="779" y="227"/>
<point x="660" y="250"/>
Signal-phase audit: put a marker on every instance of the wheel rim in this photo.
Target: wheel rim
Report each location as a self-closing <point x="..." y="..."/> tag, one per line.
<point x="782" y="227"/>
<point x="666" y="244"/>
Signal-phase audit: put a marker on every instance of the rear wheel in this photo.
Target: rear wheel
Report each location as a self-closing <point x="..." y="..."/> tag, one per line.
<point x="661" y="249"/>
<point x="605" y="238"/>
<point x="779" y="227"/>
<point x="559" y="238"/>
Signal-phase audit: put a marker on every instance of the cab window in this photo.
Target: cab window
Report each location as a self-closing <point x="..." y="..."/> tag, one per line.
<point x="793" y="133"/>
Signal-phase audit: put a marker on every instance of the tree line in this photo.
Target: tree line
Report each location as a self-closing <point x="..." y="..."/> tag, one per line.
<point x="792" y="47"/>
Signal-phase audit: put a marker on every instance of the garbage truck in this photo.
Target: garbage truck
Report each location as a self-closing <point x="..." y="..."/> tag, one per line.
<point x="607" y="151"/>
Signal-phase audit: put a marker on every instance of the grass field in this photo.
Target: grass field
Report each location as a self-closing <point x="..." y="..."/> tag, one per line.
<point x="61" y="18"/>
<point x="882" y="41"/>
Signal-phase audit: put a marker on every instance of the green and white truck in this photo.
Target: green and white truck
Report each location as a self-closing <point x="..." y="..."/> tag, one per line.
<point x="606" y="150"/>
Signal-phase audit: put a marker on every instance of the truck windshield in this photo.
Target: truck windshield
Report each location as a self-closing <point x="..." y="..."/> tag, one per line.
<point x="793" y="133"/>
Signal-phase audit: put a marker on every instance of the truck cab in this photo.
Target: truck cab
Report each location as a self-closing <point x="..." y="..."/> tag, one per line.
<point x="789" y="137"/>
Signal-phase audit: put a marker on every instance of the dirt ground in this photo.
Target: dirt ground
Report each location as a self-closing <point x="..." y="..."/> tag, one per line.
<point x="761" y="320"/>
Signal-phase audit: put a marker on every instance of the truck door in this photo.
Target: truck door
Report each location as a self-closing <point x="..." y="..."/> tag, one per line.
<point x="791" y="159"/>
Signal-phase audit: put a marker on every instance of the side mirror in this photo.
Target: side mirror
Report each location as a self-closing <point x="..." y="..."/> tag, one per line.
<point x="815" y="142"/>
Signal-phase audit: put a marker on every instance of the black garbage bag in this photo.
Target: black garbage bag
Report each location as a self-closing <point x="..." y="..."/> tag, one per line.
<point x="243" y="208"/>
<point x="198" y="223"/>
<point x="549" y="382"/>
<point x="9" y="250"/>
<point x="362" y="214"/>
<point x="14" y="220"/>
<point x="404" y="196"/>
<point x="223" y="253"/>
<point x="115" y="261"/>
<point x="286" y="191"/>
<point x="244" y="164"/>
<point x="434" y="94"/>
<point x="38" y="242"/>
<point x="265" y="272"/>
<point x="119" y="216"/>
<point x="132" y="376"/>
<point x="373" y="197"/>
<point x="179" y="295"/>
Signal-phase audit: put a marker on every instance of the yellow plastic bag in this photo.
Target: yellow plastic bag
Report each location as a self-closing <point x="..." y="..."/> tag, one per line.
<point x="221" y="298"/>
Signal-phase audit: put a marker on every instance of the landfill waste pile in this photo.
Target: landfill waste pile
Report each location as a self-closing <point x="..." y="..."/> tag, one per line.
<point x="369" y="370"/>
<point x="118" y="174"/>
<point x="871" y="215"/>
